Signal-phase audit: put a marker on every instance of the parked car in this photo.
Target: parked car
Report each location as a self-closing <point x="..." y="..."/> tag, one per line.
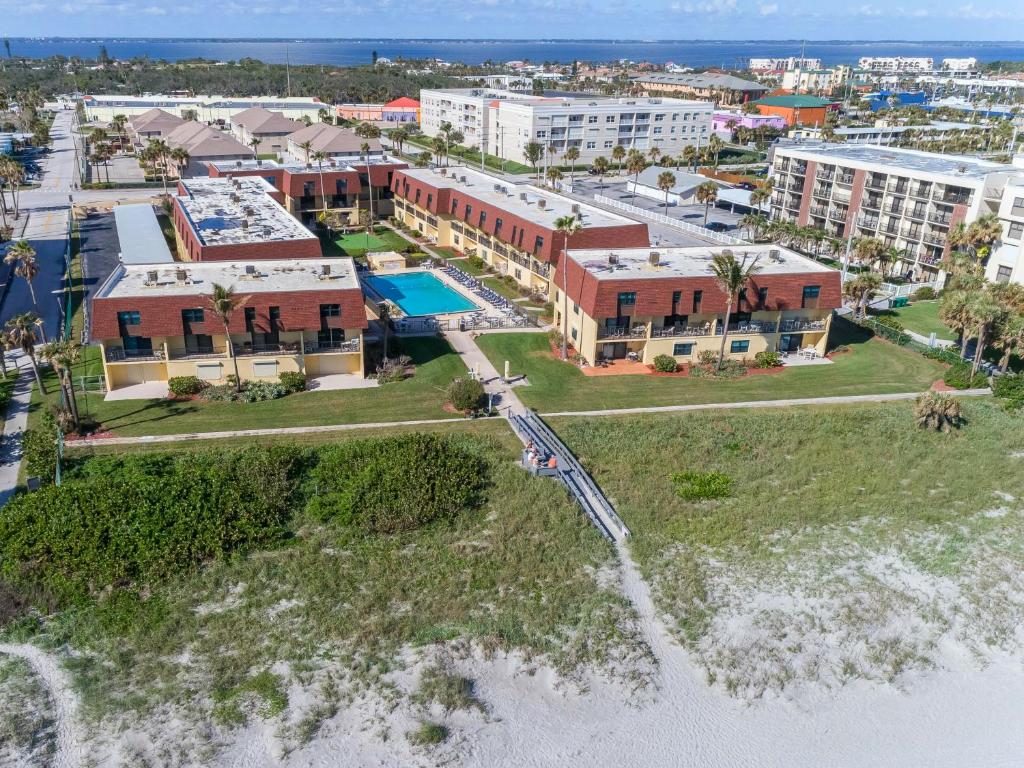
<point x="747" y="186"/>
<point x="716" y="226"/>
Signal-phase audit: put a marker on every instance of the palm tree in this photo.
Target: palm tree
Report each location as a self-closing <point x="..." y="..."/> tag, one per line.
<point x="533" y="152"/>
<point x="654" y="153"/>
<point x="181" y="159"/>
<point x="255" y="142"/>
<point x="760" y="195"/>
<point x="869" y="250"/>
<point x="422" y="159"/>
<point x="398" y="137"/>
<point x="307" y="148"/>
<point x="666" y="180"/>
<point x="860" y="290"/>
<point x="707" y="194"/>
<point x="954" y="312"/>
<point x="23" y="256"/>
<point x="62" y="355"/>
<point x="618" y="154"/>
<point x="731" y="276"/>
<point x="572" y="155"/>
<point x="690" y="156"/>
<point x="754" y="223"/>
<point x="440" y="147"/>
<point x="715" y="145"/>
<point x="600" y="166"/>
<point x="568" y="226"/>
<point x="118" y="123"/>
<point x="554" y="175"/>
<point x="634" y="165"/>
<point x="224" y="303"/>
<point x="22" y="333"/>
<point x="5" y="345"/>
<point x="160" y="151"/>
<point x="318" y="158"/>
<point x="985" y="311"/>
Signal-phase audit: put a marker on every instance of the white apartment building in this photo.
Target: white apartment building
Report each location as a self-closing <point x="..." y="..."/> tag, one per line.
<point x="777" y="64"/>
<point x="968" y="64"/>
<point x="885" y="135"/>
<point x="816" y="80"/>
<point x="207" y="109"/>
<point x="503" y="122"/>
<point x="906" y="198"/>
<point x="896" y="63"/>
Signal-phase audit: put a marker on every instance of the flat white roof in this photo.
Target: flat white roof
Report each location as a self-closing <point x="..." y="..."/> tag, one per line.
<point x="508" y="196"/>
<point x="139" y="235"/>
<point x="331" y="164"/>
<point x="582" y="100"/>
<point x="263" y="276"/>
<point x="631" y="263"/>
<point x="237" y="211"/>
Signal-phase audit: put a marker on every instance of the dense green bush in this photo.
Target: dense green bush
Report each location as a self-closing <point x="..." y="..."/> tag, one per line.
<point x="1010" y="389"/>
<point x="39" y="450"/>
<point x="293" y="381"/>
<point x="392" y="484"/>
<point x="948" y="355"/>
<point x="257" y="391"/>
<point x="128" y="519"/>
<point x="767" y="359"/>
<point x="465" y="394"/>
<point x="221" y="393"/>
<point x="959" y="377"/>
<point x="183" y="386"/>
<point x="475" y="262"/>
<point x="699" y="486"/>
<point x="924" y="294"/>
<point x="890" y="322"/>
<point x="665" y="364"/>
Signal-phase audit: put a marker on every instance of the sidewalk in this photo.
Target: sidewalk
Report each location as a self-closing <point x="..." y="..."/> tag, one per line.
<point x="463" y="344"/>
<point x="14" y="424"/>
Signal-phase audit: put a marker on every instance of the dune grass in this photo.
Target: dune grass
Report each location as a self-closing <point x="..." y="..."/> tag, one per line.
<point x="872" y="366"/>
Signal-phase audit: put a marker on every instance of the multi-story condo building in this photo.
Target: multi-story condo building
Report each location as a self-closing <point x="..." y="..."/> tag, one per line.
<point x="712" y="86"/>
<point x="884" y="135"/>
<point x="896" y="63"/>
<point x="270" y="129"/>
<point x="962" y="65"/>
<point x="154" y="321"/>
<point x="103" y="107"/>
<point x="504" y="122"/>
<point x="781" y="64"/>
<point x="510" y="226"/>
<point x="1007" y="262"/>
<point x="238" y="218"/>
<point x="665" y="301"/>
<point x="907" y="198"/>
<point x="816" y="80"/>
<point x="348" y="185"/>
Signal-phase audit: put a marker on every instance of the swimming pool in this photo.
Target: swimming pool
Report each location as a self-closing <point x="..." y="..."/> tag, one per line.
<point x="419" y="293"/>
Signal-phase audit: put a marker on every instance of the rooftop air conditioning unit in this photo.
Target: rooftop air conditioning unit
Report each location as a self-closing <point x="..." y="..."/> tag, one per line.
<point x="497" y="187"/>
<point x="443" y="171"/>
<point x="181" y="275"/>
<point x="462" y="179"/>
<point x="325" y="270"/>
<point x="613" y="258"/>
<point x="654" y="258"/>
<point x="151" y="277"/>
<point x="522" y="196"/>
<point x="238" y="163"/>
<point x="775" y="255"/>
<point x="245" y="223"/>
<point x="542" y="203"/>
<point x="575" y="208"/>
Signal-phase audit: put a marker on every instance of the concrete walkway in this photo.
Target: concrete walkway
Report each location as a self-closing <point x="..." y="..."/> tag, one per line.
<point x="840" y="400"/>
<point x="14" y="424"/>
<point x="463" y="344"/>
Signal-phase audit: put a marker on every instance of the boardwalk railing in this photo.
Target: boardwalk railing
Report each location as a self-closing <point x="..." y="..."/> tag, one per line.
<point x="683" y="226"/>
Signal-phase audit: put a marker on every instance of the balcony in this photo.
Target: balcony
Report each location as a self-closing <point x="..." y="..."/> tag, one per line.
<point x="819" y="210"/>
<point x="256" y="350"/>
<point x="935" y="239"/>
<point x="199" y="353"/>
<point x="878" y="184"/>
<point x="541" y="268"/>
<point x="918" y="214"/>
<point x="909" y="233"/>
<point x="638" y="331"/>
<point x="874" y="204"/>
<point x="846" y="179"/>
<point x="939" y="218"/>
<point x="899" y="188"/>
<point x="821" y="192"/>
<point x="322" y="347"/>
<point x="752" y="326"/>
<point x="824" y="175"/>
<point x="117" y="355"/>
<point x="795" y="186"/>
<point x="798" y="326"/>
<point x="681" y="330"/>
<point x="922" y="192"/>
<point x="837" y="214"/>
<point x="868" y="221"/>
<point x="799" y="170"/>
<point x="954" y="197"/>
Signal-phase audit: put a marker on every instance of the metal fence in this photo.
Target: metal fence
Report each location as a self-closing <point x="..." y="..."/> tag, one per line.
<point x="908" y="289"/>
<point x="683" y="226"/>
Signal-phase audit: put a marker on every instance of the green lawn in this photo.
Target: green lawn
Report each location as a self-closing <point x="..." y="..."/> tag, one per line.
<point x="872" y="366"/>
<point x="358" y="243"/>
<point x="831" y="508"/>
<point x="921" y="317"/>
<point x="419" y="397"/>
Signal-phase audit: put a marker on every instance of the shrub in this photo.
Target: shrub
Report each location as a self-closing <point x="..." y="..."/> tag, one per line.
<point x="939" y="412"/>
<point x="944" y="354"/>
<point x="665" y="364"/>
<point x="183" y="386"/>
<point x="924" y="294"/>
<point x="889" y="322"/>
<point x="465" y="394"/>
<point x="427" y="735"/>
<point x="393" y="484"/>
<point x="129" y="519"/>
<point x="959" y="377"/>
<point x="391" y="370"/>
<point x="707" y="358"/>
<point x="39" y="450"/>
<point x="699" y="486"/>
<point x="767" y="359"/>
<point x="293" y="381"/>
<point x="221" y="393"/>
<point x="1010" y="389"/>
<point x="509" y="281"/>
<point x="258" y="391"/>
<point x="475" y="262"/>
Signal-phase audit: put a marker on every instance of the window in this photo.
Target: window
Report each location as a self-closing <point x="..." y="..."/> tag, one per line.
<point x="592" y="119"/>
<point x="610" y="119"/>
<point x="1018" y="207"/>
<point x="574" y="334"/>
<point x="208" y="371"/>
<point x="129" y="318"/>
<point x="519" y="273"/>
<point x="542" y="134"/>
<point x="192" y="315"/>
<point x="698" y="297"/>
<point x="762" y="296"/>
<point x="810" y="296"/>
<point x="683" y="348"/>
<point x="591" y="145"/>
<point x="330" y="310"/>
<point x="264" y="369"/>
<point x="739" y="346"/>
<point x="538" y="244"/>
<point x="627" y="297"/>
<point x="657" y="129"/>
<point x="497" y="226"/>
<point x="609" y="144"/>
<point x="676" y="298"/>
<point x="250" y="318"/>
<point x="430" y="200"/>
<point x="417" y="198"/>
<point x="1003" y="274"/>
<point x="1016" y="230"/>
<point x="455" y="204"/>
<point x="575" y="308"/>
<point x="483" y="218"/>
<point x="275" y="317"/>
<point x="468" y="211"/>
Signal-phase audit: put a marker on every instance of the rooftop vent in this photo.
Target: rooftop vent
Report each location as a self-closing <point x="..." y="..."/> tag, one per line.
<point x="443" y="171"/>
<point x="267" y="231"/>
<point x="542" y="203"/>
<point x="245" y="223"/>
<point x="498" y="188"/>
<point x="575" y="207"/>
<point x="522" y="196"/>
<point x="325" y="270"/>
<point x="654" y="258"/>
<point x="775" y="255"/>
<point x="180" y="275"/>
<point x="613" y="258"/>
<point x="238" y="163"/>
<point x="250" y="269"/>
<point x="151" y="277"/>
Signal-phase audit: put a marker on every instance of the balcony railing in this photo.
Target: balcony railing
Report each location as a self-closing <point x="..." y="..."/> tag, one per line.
<point x="939" y="218"/>
<point x="916" y="213"/>
<point x="314" y="347"/>
<point x="935" y="239"/>
<point x="924" y="192"/>
<point x="819" y="210"/>
<point x="793" y="326"/>
<point x="681" y="330"/>
<point x="878" y="184"/>
<point x="826" y="175"/>
<point x="837" y="214"/>
<point x="116" y="355"/>
<point x="873" y="204"/>
<point x="899" y="189"/>
<point x="953" y="197"/>
<point x="250" y="350"/>
<point x="541" y="268"/>
<point x="752" y="326"/>
<point x="199" y="353"/>
<point x="868" y="221"/>
<point x="634" y="332"/>
<point x="847" y="179"/>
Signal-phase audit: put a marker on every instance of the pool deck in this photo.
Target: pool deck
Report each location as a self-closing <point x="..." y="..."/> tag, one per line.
<point x="476" y="301"/>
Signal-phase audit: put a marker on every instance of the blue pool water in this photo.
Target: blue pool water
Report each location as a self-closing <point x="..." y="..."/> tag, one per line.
<point x="420" y="293"/>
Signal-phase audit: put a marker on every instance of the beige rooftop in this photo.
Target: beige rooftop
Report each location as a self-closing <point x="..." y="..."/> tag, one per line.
<point x="237" y="211"/>
<point x="632" y="263"/>
<point x="201" y="141"/>
<point x="258" y="120"/>
<point x="197" y="279"/>
<point x="332" y="140"/>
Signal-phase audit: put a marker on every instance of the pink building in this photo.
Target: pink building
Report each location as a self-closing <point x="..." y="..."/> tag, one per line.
<point x="721" y="119"/>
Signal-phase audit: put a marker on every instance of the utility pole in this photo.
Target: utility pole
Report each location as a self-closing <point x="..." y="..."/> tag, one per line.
<point x="287" y="71"/>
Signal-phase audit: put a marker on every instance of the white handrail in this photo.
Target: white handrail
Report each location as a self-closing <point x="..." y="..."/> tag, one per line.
<point x="685" y="226"/>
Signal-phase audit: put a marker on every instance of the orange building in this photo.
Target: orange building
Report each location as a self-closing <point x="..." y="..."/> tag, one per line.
<point x="797" y="110"/>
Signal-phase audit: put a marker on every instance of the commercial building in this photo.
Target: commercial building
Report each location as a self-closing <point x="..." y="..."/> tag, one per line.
<point x="908" y="199"/>
<point x="510" y="226"/>
<point x="718" y="87"/>
<point x="400" y="110"/>
<point x="154" y="322"/>
<point x="504" y="122"/>
<point x="896" y="63"/>
<point x="725" y="122"/>
<point x="335" y="142"/>
<point x="270" y="129"/>
<point x="347" y="184"/>
<point x="781" y="64"/>
<point x="665" y="301"/>
<point x="237" y="219"/>
<point x="797" y="110"/>
<point x="103" y="107"/>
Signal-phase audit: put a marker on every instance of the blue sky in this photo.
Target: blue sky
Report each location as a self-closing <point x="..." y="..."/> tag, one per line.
<point x="635" y="19"/>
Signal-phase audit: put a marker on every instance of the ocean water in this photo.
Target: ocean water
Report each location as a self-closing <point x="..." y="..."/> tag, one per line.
<point x="697" y="53"/>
